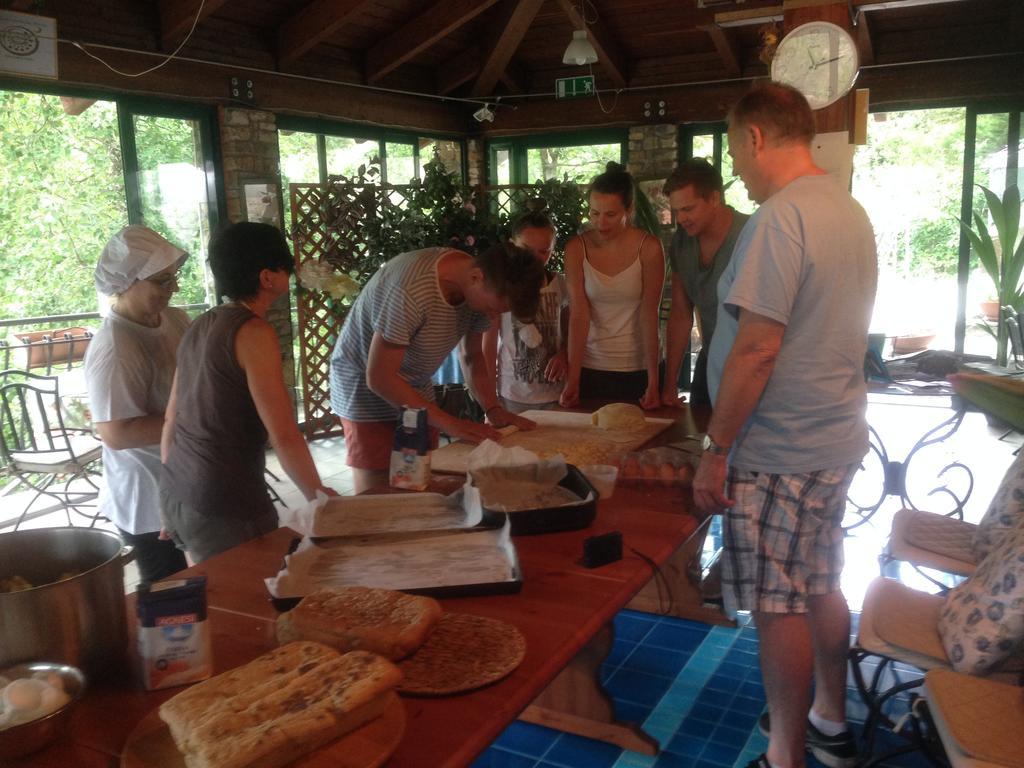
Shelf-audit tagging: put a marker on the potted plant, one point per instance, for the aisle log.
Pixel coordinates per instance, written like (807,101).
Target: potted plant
(1001,255)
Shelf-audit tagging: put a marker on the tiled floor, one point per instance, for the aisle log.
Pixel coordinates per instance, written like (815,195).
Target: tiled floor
(696,688)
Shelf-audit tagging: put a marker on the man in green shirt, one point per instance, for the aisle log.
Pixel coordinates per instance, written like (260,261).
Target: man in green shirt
(705,236)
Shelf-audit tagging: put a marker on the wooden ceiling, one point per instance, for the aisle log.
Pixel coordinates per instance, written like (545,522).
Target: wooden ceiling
(510,51)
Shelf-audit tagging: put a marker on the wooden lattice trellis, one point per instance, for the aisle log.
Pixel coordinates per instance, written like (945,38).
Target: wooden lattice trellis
(326,227)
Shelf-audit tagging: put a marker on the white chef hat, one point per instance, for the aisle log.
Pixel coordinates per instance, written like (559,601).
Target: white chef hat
(134,253)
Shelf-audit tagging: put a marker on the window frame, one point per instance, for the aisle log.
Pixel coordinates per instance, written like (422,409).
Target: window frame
(519,146)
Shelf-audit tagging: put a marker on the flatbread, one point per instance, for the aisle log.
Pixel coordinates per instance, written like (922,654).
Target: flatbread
(278,707)
(463,653)
(384,621)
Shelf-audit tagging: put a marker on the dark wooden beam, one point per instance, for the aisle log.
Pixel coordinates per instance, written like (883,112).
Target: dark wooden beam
(609,56)
(510,27)
(23,6)
(896,87)
(205,83)
(515,77)
(728,48)
(458,70)
(865,45)
(177,17)
(432,25)
(313,24)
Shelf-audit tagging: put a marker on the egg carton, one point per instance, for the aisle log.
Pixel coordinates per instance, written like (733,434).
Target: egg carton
(664,466)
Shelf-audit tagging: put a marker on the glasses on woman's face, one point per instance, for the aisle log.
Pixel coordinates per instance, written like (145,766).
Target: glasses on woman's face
(165,281)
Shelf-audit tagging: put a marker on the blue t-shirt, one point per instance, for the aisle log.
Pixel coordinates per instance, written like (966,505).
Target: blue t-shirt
(806,259)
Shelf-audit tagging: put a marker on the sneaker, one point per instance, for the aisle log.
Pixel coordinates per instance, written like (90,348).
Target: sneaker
(760,762)
(839,751)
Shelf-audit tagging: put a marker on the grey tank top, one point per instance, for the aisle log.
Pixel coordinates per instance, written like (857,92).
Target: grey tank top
(217,454)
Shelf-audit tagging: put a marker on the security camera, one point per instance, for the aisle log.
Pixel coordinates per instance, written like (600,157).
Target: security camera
(485,114)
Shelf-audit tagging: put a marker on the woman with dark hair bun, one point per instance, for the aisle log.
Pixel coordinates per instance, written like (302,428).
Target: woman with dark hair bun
(529,357)
(228,398)
(615,274)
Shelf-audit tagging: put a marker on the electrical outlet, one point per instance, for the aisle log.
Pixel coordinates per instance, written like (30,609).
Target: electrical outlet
(242,88)
(654,110)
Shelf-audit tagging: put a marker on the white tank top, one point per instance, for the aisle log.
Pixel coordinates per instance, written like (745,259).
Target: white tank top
(614,342)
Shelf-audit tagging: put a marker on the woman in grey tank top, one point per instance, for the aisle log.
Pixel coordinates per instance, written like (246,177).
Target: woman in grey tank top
(228,399)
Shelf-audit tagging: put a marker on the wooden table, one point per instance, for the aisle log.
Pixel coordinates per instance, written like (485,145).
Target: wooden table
(564,611)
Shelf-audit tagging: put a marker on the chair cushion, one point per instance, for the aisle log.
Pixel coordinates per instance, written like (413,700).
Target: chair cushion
(977,719)
(900,623)
(982,621)
(1005,513)
(932,541)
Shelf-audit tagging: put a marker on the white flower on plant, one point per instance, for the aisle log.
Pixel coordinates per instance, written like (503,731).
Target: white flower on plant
(321,276)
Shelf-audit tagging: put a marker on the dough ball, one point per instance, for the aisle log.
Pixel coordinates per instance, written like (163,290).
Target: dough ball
(621,417)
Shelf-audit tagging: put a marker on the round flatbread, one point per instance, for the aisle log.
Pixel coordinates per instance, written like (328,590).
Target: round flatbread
(464,652)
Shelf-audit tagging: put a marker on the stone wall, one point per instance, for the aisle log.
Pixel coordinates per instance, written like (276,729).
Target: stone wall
(653,150)
(249,150)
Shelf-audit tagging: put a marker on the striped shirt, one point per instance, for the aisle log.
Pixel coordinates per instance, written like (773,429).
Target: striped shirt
(404,304)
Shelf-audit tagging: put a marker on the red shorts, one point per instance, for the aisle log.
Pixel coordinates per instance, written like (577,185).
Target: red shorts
(368,443)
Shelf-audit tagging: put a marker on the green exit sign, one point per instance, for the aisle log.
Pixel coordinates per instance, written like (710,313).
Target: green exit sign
(574,87)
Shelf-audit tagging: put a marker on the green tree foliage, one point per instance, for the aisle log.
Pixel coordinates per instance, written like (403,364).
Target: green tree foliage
(61,196)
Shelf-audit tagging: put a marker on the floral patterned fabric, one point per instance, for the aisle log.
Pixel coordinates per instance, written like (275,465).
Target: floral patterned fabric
(1005,513)
(982,621)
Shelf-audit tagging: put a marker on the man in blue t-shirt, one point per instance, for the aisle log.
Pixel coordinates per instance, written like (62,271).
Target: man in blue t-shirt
(788,431)
(706,232)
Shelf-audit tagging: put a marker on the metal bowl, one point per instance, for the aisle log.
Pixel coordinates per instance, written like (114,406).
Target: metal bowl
(29,737)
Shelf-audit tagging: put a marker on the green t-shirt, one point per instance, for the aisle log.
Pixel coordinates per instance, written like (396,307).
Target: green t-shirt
(701,283)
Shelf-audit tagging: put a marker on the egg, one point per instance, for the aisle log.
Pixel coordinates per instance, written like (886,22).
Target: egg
(649,472)
(24,695)
(53,698)
(50,678)
(667,473)
(686,474)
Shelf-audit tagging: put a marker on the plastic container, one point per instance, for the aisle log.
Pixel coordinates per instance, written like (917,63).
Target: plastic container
(602,477)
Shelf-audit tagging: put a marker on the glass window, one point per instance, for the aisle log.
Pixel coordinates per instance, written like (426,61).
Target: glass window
(401,165)
(61,198)
(448,152)
(503,166)
(909,177)
(300,164)
(735,190)
(172,192)
(580,164)
(344,155)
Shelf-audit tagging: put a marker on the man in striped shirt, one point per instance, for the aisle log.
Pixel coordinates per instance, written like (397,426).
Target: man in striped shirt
(406,321)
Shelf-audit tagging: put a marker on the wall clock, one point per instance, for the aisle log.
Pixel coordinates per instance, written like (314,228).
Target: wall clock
(820,60)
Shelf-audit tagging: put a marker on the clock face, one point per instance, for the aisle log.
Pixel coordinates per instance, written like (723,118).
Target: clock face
(819,59)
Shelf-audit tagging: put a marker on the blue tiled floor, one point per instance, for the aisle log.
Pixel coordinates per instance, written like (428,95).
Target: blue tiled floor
(695,688)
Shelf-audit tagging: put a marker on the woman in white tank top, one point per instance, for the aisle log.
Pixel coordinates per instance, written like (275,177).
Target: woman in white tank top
(615,274)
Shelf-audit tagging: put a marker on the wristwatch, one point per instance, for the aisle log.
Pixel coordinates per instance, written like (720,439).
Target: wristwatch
(710,446)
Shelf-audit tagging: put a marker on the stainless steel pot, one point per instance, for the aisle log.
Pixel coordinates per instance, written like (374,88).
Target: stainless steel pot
(79,620)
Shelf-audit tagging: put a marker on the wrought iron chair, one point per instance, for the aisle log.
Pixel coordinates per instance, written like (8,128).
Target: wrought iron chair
(897,643)
(40,452)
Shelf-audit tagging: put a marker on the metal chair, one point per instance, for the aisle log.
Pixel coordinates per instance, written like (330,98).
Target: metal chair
(40,452)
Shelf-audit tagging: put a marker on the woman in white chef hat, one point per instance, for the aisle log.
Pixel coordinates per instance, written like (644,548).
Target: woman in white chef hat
(129,368)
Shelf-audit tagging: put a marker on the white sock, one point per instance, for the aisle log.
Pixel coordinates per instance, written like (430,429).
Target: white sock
(827,727)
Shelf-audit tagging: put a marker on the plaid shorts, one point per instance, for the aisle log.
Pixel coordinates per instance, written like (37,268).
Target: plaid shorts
(783,539)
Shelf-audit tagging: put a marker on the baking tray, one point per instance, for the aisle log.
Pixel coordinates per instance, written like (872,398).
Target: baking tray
(387,513)
(570,517)
(459,563)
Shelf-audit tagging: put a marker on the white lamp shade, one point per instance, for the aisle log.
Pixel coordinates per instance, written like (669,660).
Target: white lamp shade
(580,51)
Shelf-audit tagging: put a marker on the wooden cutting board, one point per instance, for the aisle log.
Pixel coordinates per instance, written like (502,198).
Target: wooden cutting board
(150,745)
(570,434)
